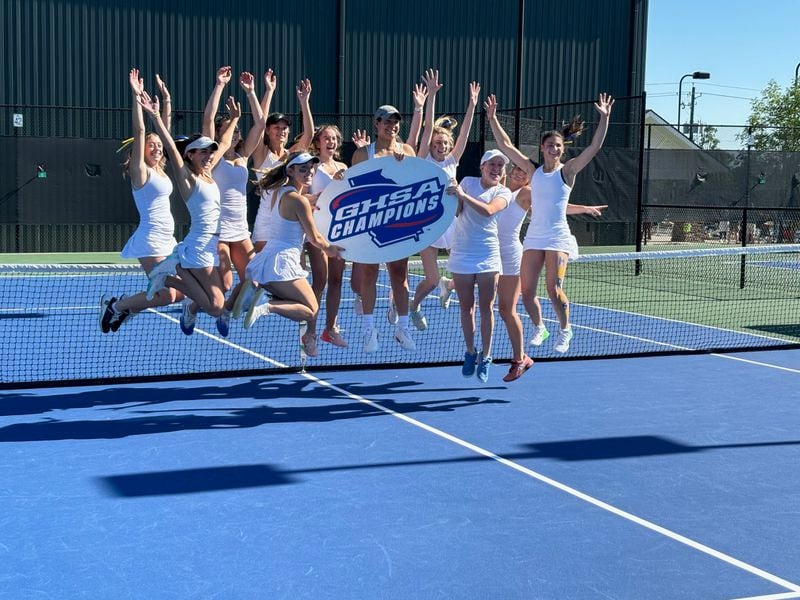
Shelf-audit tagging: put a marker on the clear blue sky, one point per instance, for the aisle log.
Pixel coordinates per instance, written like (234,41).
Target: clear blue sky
(743,44)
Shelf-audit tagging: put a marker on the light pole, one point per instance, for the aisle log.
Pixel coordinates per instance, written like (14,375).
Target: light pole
(796,73)
(695,75)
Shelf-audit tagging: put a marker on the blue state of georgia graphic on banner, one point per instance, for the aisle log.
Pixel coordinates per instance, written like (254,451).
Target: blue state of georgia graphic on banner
(386,209)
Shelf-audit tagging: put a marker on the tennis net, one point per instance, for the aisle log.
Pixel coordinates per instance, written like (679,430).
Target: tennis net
(633,304)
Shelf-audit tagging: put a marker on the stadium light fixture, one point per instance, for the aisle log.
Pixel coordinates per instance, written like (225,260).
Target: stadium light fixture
(695,75)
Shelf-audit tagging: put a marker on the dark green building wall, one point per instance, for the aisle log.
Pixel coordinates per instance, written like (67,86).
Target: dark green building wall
(358,53)
(65,66)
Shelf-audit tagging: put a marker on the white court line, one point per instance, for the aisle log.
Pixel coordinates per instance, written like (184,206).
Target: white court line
(569,490)
(786,596)
(795,588)
(225,342)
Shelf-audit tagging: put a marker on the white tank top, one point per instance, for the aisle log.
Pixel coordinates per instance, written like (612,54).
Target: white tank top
(285,233)
(232,182)
(509,223)
(549,199)
(270,161)
(203,206)
(449,165)
(371,149)
(321,180)
(152,202)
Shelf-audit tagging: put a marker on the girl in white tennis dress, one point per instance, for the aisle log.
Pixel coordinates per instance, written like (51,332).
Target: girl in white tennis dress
(509,224)
(154,238)
(272,151)
(197,260)
(231,176)
(326,144)
(548,243)
(475,256)
(437,146)
(386,121)
(276,268)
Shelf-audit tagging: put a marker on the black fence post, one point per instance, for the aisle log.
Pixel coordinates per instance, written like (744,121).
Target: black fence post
(640,182)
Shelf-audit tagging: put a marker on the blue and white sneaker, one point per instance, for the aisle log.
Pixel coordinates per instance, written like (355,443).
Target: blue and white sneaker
(223,323)
(188,318)
(158,275)
(484,362)
(468,368)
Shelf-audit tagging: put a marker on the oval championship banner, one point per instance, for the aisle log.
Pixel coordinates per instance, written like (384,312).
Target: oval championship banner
(386,209)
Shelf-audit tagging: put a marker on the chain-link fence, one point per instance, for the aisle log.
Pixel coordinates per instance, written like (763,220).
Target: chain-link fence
(63,191)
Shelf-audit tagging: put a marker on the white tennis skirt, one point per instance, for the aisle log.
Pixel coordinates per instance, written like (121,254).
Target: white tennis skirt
(198,251)
(276,263)
(148,243)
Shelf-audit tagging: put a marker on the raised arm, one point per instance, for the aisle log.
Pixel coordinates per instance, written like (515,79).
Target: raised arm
(574,166)
(247,83)
(223,77)
(361,138)
(469,114)
(418,94)
(137,169)
(183,179)
(234,112)
(431,81)
(502,139)
(303,96)
(166,102)
(259,153)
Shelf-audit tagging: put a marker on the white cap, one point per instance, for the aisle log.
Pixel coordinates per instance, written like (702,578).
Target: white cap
(490,154)
(201,143)
(302,159)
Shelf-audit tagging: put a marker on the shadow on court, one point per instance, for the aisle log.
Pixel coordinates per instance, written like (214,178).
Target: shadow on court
(168,420)
(188,481)
(269,388)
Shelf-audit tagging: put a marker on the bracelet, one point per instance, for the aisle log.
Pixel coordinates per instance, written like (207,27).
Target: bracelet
(418,109)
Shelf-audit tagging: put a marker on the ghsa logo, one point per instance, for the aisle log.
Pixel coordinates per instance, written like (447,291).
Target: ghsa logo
(390,213)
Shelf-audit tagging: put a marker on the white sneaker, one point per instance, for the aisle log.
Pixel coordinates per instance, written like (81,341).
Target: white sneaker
(158,275)
(256,310)
(540,334)
(563,340)
(245,298)
(445,293)
(371,340)
(403,337)
(391,314)
(358,306)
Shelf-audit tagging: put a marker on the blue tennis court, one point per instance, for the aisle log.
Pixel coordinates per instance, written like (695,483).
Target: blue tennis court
(668,477)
